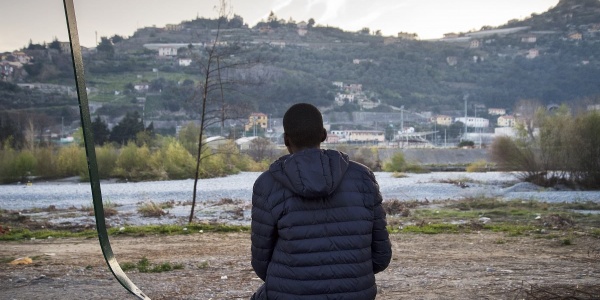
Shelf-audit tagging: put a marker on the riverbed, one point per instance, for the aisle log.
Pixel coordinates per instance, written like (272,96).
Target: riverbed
(237,190)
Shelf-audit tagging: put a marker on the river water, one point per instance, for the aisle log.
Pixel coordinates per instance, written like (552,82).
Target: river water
(432,186)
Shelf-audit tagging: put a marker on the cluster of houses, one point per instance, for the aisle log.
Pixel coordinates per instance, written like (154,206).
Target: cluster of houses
(11,65)
(353,93)
(503,120)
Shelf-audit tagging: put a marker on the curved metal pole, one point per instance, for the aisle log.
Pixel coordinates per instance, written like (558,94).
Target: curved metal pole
(88,138)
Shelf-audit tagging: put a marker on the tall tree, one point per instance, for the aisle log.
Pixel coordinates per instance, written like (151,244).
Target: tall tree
(217,64)
(100,131)
(127,129)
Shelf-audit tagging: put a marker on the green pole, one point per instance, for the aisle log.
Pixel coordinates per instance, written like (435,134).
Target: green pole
(88,138)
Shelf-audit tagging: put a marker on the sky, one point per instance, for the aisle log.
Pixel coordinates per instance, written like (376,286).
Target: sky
(44,20)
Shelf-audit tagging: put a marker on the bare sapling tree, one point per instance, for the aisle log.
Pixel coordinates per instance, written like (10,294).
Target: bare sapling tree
(218,65)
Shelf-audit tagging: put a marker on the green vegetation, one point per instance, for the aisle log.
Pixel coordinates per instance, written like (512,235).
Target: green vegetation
(144,266)
(478,166)
(151,209)
(17,233)
(566,150)
(159,158)
(399,164)
(513,217)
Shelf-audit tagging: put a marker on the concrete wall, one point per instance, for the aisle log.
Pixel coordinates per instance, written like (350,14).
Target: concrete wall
(437,156)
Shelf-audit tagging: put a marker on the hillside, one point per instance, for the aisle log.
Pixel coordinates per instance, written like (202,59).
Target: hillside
(553,57)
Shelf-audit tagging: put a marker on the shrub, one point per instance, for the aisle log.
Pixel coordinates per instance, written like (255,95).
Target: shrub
(106,156)
(396,164)
(137,163)
(478,166)
(177,162)
(151,209)
(71,161)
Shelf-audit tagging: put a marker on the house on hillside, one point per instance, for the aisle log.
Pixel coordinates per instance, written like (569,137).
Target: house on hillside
(65,47)
(173,27)
(506,121)
(474,122)
(22,57)
(167,51)
(575,36)
(475,44)
(443,120)
(532,53)
(141,87)
(185,62)
(257,119)
(496,111)
(529,39)
(452,60)
(302,28)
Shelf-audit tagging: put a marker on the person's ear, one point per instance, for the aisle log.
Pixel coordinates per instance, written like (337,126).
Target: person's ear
(324,135)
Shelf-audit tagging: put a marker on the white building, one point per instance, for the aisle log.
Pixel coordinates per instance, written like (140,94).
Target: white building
(358,136)
(474,122)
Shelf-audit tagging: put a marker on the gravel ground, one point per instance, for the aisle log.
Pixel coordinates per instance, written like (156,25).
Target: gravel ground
(217,266)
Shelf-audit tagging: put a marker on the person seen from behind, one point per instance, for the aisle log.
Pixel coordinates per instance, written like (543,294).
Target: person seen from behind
(318,226)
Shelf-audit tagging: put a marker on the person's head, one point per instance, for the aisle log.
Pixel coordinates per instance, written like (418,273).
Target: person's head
(303,127)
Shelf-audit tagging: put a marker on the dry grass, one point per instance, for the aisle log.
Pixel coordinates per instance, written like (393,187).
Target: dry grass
(151,209)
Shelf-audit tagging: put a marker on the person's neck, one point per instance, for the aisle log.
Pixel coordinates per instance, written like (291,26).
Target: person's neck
(293,149)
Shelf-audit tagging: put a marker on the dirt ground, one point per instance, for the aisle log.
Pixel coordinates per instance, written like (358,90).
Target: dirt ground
(217,266)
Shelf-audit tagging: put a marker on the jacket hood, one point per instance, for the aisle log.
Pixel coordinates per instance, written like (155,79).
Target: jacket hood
(311,173)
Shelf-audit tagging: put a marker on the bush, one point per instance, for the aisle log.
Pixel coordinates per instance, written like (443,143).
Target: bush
(71,161)
(137,164)
(396,164)
(46,162)
(478,166)
(106,156)
(151,209)
(177,162)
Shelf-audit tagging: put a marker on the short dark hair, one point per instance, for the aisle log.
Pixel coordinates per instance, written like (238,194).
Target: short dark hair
(303,125)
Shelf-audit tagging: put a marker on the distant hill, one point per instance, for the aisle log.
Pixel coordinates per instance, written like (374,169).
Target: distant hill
(553,57)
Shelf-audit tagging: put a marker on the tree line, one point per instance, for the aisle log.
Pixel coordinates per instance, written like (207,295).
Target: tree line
(554,148)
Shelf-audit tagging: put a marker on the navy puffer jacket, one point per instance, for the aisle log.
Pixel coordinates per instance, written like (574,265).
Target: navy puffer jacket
(318,228)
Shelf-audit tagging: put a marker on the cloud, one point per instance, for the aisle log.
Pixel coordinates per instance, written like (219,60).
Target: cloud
(332,8)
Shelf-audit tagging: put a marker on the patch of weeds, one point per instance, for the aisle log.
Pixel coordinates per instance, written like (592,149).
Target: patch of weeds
(151,209)
(580,205)
(144,266)
(88,267)
(556,221)
(397,207)
(431,228)
(128,266)
(399,175)
(566,242)
(23,233)
(478,166)
(203,265)
(500,242)
(168,204)
(595,232)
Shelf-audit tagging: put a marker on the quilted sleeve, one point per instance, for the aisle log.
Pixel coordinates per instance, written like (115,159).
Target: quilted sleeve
(263,226)
(381,247)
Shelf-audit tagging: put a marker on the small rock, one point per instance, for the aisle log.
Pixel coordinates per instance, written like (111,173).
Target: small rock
(484,220)
(224,277)
(21,261)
